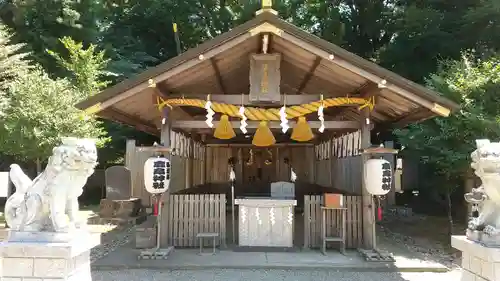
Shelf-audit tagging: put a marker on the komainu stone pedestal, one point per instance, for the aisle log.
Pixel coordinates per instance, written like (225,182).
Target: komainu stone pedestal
(480,263)
(48,261)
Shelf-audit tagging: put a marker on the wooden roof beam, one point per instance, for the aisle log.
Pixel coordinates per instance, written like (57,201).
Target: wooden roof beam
(135,122)
(271,124)
(367,90)
(179,113)
(413,116)
(218,76)
(375,78)
(179,64)
(309,74)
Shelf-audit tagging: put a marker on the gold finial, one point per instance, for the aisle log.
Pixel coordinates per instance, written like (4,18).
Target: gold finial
(151,83)
(267,4)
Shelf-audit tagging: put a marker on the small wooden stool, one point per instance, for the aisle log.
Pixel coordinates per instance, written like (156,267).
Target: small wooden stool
(202,235)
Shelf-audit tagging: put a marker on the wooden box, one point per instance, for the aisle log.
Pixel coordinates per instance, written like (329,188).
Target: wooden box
(333,200)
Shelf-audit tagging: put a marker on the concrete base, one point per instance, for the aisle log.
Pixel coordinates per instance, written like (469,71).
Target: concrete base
(483,239)
(44,237)
(480,263)
(37,261)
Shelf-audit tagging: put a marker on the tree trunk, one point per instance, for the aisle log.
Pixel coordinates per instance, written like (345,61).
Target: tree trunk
(38,166)
(450,214)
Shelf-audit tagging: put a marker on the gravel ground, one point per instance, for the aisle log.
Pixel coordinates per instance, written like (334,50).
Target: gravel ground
(111,241)
(267,275)
(430,249)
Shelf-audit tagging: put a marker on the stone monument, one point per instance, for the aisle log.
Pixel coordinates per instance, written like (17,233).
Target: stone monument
(119,207)
(481,245)
(118,183)
(47,240)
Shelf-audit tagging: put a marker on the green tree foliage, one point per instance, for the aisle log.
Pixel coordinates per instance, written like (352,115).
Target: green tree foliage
(86,67)
(40,24)
(12,66)
(40,111)
(446,143)
(427,32)
(37,110)
(12,60)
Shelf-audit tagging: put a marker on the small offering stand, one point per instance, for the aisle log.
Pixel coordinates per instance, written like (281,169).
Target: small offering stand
(333,203)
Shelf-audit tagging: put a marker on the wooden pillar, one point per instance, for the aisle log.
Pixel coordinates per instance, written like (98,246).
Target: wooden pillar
(130,158)
(204,157)
(165,128)
(368,204)
(189,163)
(239,166)
(129,153)
(311,162)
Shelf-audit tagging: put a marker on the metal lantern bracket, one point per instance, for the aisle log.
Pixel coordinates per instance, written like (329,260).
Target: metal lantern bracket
(157,252)
(376,254)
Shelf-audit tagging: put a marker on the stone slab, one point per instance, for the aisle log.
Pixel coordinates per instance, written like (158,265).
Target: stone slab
(483,239)
(118,183)
(463,244)
(48,237)
(69,261)
(187,259)
(480,263)
(49,249)
(128,208)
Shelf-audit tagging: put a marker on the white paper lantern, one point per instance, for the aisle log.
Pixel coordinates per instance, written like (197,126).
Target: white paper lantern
(378,176)
(157,172)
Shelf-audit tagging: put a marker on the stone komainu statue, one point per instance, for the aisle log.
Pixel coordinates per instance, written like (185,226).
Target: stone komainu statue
(485,228)
(43,203)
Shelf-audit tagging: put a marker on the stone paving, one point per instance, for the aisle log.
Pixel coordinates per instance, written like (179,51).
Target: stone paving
(268,275)
(126,258)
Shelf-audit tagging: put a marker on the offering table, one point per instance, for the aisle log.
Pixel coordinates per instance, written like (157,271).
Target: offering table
(265,222)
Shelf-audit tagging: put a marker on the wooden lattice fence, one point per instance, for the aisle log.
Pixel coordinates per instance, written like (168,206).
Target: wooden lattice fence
(186,215)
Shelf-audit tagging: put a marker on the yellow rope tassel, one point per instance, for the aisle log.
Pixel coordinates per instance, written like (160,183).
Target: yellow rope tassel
(302,131)
(224,130)
(263,136)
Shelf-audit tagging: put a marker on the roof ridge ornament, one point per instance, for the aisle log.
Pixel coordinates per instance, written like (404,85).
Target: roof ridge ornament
(267,6)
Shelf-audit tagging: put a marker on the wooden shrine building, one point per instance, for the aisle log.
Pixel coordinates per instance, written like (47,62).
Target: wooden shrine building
(261,71)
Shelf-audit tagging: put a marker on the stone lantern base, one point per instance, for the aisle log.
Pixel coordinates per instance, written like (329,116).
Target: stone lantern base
(480,263)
